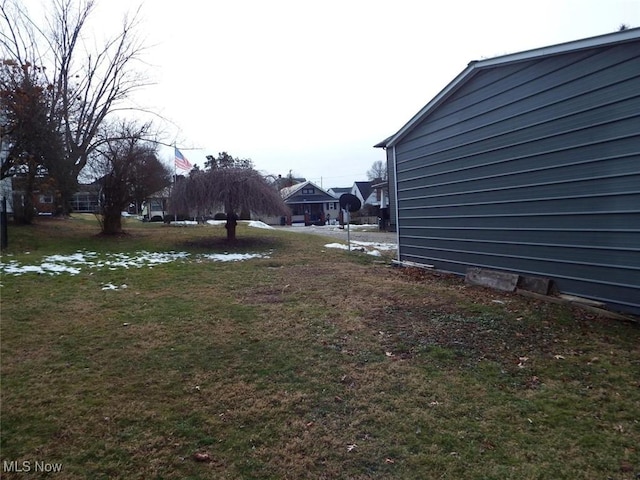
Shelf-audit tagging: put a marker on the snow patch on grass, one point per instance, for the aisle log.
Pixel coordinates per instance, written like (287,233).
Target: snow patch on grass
(370,248)
(74,263)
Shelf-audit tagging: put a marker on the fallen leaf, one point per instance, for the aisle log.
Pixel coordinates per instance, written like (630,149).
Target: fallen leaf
(626,467)
(389,460)
(201,457)
(351,447)
(558,357)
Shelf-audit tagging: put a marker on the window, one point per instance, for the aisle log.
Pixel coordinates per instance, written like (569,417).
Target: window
(308,191)
(46,198)
(84,202)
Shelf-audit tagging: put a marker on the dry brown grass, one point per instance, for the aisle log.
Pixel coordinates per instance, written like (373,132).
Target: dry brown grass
(312,363)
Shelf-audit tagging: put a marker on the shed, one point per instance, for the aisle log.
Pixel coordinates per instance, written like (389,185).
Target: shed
(529,163)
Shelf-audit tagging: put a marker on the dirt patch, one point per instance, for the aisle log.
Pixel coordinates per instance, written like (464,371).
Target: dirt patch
(473,322)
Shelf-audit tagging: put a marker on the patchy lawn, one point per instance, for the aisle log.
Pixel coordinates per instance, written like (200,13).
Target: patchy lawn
(298,361)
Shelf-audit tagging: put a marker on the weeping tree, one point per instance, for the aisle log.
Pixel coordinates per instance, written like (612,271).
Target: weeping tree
(234,189)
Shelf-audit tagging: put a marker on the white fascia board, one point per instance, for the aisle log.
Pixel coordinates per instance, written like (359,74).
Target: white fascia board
(572,46)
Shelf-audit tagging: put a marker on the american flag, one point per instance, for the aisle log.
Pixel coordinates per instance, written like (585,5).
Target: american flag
(181,162)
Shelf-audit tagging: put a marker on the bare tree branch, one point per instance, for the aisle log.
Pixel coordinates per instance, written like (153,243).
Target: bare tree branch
(126,167)
(87,81)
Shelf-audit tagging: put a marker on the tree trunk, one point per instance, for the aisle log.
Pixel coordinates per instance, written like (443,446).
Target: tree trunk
(23,209)
(112,224)
(231,227)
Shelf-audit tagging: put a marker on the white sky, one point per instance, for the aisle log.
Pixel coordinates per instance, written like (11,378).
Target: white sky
(311,86)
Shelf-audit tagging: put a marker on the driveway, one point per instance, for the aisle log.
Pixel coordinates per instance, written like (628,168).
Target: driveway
(360,233)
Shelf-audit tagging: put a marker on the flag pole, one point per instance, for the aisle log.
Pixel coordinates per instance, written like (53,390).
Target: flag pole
(175,178)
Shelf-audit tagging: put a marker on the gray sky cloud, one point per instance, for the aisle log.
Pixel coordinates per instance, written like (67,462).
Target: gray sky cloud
(311,86)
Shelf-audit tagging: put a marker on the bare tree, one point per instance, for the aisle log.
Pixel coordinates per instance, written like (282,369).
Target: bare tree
(148,176)
(233,189)
(84,86)
(117,164)
(378,171)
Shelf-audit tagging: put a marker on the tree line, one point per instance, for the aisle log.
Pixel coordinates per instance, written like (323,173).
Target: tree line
(60,123)
(59,105)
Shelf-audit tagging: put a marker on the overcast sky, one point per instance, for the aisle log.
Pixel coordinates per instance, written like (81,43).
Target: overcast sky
(311,86)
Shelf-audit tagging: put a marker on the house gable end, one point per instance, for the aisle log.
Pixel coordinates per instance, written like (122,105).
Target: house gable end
(307,192)
(458,84)
(523,103)
(531,167)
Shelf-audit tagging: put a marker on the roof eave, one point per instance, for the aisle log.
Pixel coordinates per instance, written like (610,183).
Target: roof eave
(575,45)
(439,98)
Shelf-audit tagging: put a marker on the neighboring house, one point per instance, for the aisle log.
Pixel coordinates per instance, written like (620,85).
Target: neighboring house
(365,193)
(155,207)
(381,189)
(43,197)
(6,193)
(43,194)
(374,197)
(337,191)
(310,204)
(86,199)
(529,163)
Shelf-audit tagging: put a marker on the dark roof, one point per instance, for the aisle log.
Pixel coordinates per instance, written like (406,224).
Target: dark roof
(365,189)
(294,194)
(474,67)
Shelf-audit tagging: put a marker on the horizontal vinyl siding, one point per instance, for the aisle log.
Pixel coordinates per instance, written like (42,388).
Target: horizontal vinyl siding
(391,175)
(533,168)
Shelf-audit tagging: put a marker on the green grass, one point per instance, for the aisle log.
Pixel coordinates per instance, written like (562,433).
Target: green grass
(313,363)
